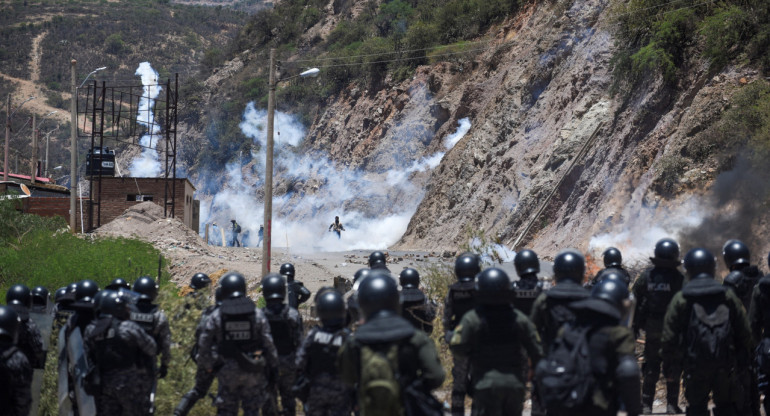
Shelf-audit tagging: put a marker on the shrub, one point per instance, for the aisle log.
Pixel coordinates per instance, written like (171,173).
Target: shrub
(724,32)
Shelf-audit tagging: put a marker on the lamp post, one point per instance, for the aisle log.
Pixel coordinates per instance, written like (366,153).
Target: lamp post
(47,136)
(267,241)
(8,116)
(91,73)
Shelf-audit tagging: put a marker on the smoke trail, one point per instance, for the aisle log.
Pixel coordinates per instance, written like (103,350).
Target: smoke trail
(148,163)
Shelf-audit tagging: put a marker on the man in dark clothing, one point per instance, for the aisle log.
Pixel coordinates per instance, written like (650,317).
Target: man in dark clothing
(260,234)
(235,229)
(30,341)
(653,291)
(492,336)
(705,328)
(459,300)
(415,306)
(528,287)
(378,260)
(743,275)
(15,370)
(759,321)
(384,341)
(613,259)
(296,291)
(353,315)
(337,227)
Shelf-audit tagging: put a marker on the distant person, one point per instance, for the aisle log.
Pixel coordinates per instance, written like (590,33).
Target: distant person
(337,227)
(235,229)
(260,234)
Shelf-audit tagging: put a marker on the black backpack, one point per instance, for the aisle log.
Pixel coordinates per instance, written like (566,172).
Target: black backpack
(709,334)
(565,378)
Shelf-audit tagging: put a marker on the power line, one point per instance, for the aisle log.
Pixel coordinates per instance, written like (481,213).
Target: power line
(393,52)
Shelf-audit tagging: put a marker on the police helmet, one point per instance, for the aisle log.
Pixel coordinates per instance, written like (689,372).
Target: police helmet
(613,274)
(667,249)
(114,304)
(40,296)
(287,270)
(612,257)
(699,261)
(377,259)
(378,292)
(493,287)
(526,262)
(569,265)
(467,266)
(199,281)
(409,278)
(232,282)
(274,286)
(117,284)
(60,294)
(72,289)
(613,291)
(361,273)
(735,253)
(19,295)
(330,307)
(218,295)
(86,290)
(9,324)
(146,287)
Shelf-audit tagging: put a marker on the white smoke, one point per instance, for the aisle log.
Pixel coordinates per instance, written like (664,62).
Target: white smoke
(147,165)
(320,191)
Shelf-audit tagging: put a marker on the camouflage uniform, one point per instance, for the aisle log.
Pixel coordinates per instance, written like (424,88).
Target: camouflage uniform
(15,381)
(118,349)
(459,300)
(203,378)
(417,309)
(30,340)
(234,331)
(153,320)
(328,395)
(286,329)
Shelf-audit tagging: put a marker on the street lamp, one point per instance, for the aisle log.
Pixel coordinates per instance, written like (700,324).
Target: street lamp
(8,116)
(91,73)
(313,72)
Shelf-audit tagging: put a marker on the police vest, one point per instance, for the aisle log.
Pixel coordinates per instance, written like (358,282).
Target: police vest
(144,316)
(283,329)
(113,352)
(239,327)
(499,345)
(764,305)
(662,285)
(462,295)
(323,349)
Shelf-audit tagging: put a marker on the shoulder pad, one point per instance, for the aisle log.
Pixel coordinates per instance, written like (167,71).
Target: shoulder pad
(734,278)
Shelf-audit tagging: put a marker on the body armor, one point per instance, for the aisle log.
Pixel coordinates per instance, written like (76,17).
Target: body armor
(282,329)
(463,300)
(323,351)
(112,352)
(238,327)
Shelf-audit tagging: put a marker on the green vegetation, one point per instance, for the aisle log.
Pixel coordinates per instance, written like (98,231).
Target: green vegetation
(658,37)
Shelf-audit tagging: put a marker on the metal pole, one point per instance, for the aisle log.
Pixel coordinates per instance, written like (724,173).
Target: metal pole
(34,149)
(73,149)
(47,137)
(7,136)
(269,168)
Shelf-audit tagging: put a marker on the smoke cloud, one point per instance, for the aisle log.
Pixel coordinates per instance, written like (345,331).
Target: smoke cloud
(147,165)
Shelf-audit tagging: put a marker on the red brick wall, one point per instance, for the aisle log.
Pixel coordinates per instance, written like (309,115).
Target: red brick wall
(115,192)
(51,206)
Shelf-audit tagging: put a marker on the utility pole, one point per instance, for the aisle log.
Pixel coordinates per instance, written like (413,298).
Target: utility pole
(47,139)
(269,168)
(7,136)
(34,148)
(73,148)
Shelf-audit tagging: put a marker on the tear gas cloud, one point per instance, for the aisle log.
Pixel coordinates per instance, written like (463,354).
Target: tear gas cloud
(147,165)
(370,205)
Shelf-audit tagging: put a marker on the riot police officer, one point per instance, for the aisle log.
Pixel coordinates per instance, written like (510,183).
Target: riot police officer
(286,329)
(612,259)
(353,314)
(528,287)
(30,341)
(319,385)
(705,328)
(297,292)
(415,306)
(200,281)
(460,300)
(653,291)
(238,334)
(153,320)
(117,284)
(15,370)
(117,347)
(40,299)
(759,321)
(377,260)
(743,275)
(492,337)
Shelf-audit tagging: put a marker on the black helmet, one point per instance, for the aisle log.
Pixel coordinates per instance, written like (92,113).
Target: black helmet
(114,304)
(274,286)
(330,307)
(9,324)
(377,259)
(232,282)
(117,284)
(361,273)
(699,261)
(287,269)
(59,294)
(19,295)
(467,266)
(40,296)
(735,253)
(613,291)
(146,286)
(526,262)
(218,295)
(409,277)
(612,257)
(493,287)
(86,290)
(569,265)
(613,274)
(667,249)
(378,292)
(199,281)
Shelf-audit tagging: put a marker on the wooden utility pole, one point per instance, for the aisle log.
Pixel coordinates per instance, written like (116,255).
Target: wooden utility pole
(73,148)
(34,149)
(269,168)
(7,136)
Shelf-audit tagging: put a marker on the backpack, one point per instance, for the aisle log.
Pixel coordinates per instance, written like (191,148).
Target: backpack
(237,228)
(380,391)
(709,335)
(565,378)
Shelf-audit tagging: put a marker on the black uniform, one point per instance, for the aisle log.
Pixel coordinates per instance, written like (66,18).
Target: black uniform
(286,329)
(759,320)
(417,309)
(551,309)
(297,293)
(459,300)
(526,290)
(15,381)
(327,394)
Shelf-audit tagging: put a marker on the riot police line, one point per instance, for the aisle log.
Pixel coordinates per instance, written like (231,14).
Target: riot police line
(570,347)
